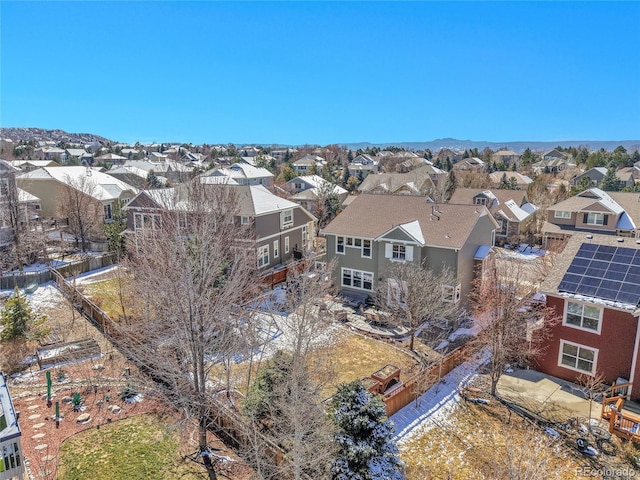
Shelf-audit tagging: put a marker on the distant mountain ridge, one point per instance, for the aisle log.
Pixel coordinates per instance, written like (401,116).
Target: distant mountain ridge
(41,134)
(517,146)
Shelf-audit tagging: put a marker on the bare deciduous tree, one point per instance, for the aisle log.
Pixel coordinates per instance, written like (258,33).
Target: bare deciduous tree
(415,296)
(188,279)
(512,327)
(84,213)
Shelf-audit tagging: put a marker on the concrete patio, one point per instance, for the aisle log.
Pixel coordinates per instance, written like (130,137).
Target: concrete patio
(549,397)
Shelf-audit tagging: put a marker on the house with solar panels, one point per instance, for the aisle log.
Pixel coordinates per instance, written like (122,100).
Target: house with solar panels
(594,288)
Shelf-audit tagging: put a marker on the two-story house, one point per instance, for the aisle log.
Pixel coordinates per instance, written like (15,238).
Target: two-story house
(308,163)
(594,290)
(510,208)
(613,213)
(244,174)
(375,230)
(421,181)
(306,190)
(281,230)
(50,183)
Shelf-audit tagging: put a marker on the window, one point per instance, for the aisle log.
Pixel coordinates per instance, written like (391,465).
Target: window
(561,214)
(504,227)
(297,186)
(582,316)
(595,219)
(286,244)
(4,187)
(366,248)
(357,242)
(399,252)
(349,242)
(287,218)
(107,212)
(577,357)
(451,294)
(339,244)
(276,253)
(244,220)
(304,235)
(480,201)
(357,279)
(146,221)
(263,256)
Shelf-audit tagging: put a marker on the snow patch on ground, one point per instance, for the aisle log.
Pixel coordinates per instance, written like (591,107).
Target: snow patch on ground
(436,404)
(90,277)
(522,252)
(45,296)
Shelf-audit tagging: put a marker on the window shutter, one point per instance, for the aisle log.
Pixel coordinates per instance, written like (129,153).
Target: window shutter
(585,219)
(408,253)
(605,220)
(388,250)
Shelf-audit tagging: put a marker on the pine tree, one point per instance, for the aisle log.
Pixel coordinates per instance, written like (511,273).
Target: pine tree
(610,181)
(19,321)
(365,447)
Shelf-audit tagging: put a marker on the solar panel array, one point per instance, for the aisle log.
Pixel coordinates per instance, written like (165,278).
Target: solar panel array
(606,272)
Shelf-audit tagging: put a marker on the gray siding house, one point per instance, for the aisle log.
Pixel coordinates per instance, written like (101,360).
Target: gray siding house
(280,229)
(375,230)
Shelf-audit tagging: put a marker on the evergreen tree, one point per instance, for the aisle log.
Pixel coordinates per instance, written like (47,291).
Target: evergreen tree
(19,321)
(152,180)
(365,447)
(610,182)
(345,176)
(448,166)
(449,186)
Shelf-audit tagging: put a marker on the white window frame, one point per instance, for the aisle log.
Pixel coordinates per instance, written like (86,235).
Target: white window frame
(286,244)
(287,218)
(504,227)
(582,306)
(399,252)
(357,279)
(245,220)
(276,252)
(450,293)
(263,256)
(108,212)
(305,239)
(146,221)
(365,241)
(561,354)
(594,218)
(481,201)
(340,244)
(561,214)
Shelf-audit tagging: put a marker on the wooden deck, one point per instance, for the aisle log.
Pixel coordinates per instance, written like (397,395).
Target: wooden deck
(623,422)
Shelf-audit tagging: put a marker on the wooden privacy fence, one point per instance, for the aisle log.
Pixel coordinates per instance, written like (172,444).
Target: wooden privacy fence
(225,422)
(403,394)
(21,280)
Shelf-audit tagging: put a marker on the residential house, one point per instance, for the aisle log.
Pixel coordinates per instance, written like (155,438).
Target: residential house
(363,165)
(521,181)
(175,172)
(445,153)
(553,162)
(612,213)
(306,190)
(111,158)
(281,154)
(472,164)
(51,153)
(28,165)
(244,174)
(420,181)
(510,208)
(308,163)
(79,154)
(134,176)
(49,184)
(594,290)
(281,229)
(375,230)
(505,157)
(29,205)
(634,171)
(249,151)
(11,454)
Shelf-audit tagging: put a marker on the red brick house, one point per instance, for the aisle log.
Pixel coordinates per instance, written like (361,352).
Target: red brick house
(594,288)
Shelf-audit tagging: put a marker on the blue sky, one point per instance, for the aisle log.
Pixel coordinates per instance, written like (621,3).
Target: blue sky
(320,73)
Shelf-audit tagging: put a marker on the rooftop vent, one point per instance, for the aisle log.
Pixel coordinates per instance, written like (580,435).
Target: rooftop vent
(589,237)
(620,240)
